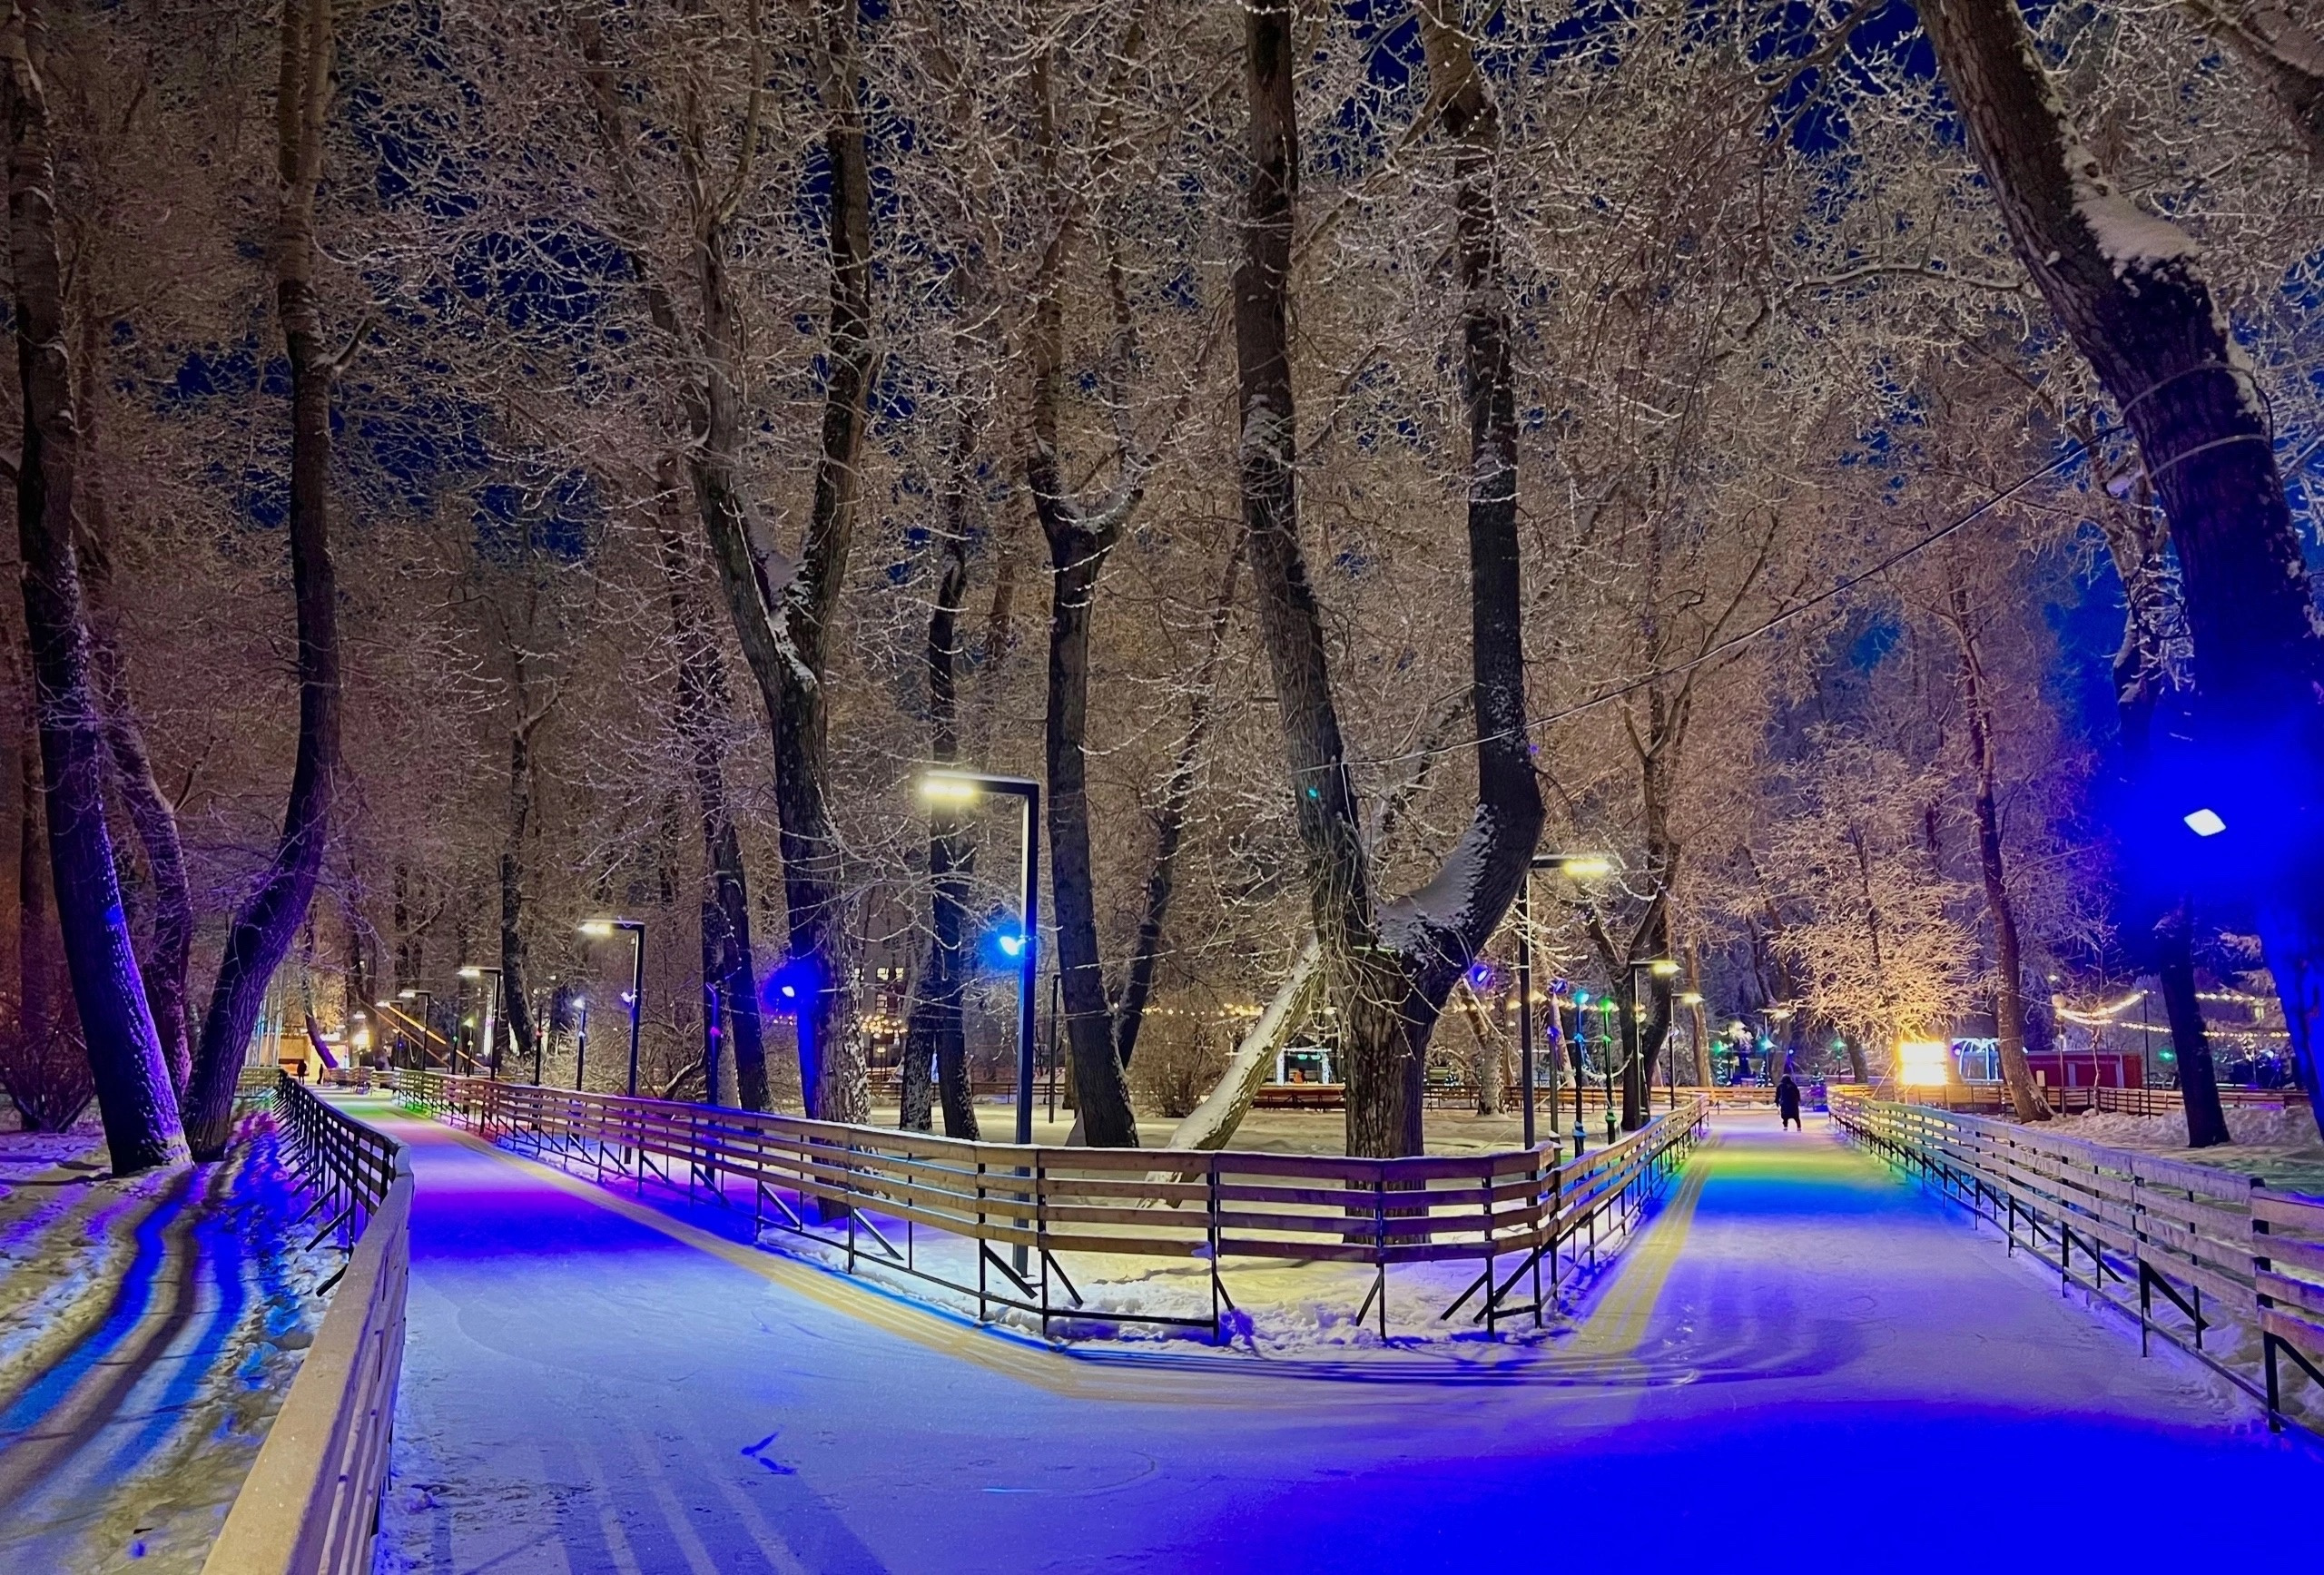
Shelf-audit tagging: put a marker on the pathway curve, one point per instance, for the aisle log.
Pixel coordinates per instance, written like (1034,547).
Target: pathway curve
(1803,1363)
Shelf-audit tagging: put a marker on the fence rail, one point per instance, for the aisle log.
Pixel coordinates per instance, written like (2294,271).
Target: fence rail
(309,1505)
(871,1191)
(2151,1237)
(2081,1099)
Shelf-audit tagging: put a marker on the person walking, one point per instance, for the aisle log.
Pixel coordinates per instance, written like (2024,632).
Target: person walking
(1788,1102)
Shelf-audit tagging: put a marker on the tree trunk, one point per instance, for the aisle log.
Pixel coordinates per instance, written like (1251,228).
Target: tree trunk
(783,612)
(268,918)
(1170,821)
(169,944)
(125,1057)
(2125,285)
(1076,553)
(2174,970)
(1382,1079)
(936,1038)
(2143,681)
(2009,989)
(729,969)
(1388,999)
(514,975)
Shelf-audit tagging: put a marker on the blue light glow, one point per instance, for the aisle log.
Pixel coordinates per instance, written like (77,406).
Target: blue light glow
(789,988)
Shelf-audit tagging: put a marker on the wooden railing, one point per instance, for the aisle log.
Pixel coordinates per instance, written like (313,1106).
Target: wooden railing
(309,1505)
(2166,1101)
(2130,1229)
(870,1191)
(2080,1100)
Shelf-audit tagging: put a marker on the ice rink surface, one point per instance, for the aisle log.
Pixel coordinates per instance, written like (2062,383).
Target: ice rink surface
(1803,1363)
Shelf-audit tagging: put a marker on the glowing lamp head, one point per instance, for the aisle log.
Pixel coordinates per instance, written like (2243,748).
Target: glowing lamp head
(599,929)
(1590,867)
(2205,822)
(1691,998)
(1924,1063)
(1662,967)
(1011,944)
(471,972)
(405,995)
(949,790)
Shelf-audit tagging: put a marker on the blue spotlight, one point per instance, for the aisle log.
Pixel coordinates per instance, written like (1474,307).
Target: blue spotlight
(1006,947)
(791,987)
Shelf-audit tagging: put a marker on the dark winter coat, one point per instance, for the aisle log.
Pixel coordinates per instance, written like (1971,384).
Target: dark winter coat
(1787,1099)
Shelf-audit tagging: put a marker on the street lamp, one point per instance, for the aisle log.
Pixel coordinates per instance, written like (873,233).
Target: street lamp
(1658,968)
(491,1001)
(958,787)
(580,1038)
(604,930)
(1694,1032)
(1574,866)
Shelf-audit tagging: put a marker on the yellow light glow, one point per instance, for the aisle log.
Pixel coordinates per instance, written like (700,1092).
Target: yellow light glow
(471,973)
(950,789)
(1662,966)
(599,929)
(1590,868)
(1691,998)
(1924,1063)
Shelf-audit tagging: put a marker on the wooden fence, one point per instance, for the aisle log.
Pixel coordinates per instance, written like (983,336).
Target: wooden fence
(2078,1100)
(2180,1247)
(311,1503)
(870,1191)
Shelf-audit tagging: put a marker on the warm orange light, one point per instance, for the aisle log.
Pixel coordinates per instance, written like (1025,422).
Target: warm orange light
(1924,1063)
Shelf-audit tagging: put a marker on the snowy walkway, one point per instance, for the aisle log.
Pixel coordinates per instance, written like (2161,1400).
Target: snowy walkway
(1803,1363)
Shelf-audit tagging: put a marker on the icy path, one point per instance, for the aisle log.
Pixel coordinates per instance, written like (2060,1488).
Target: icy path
(1803,1365)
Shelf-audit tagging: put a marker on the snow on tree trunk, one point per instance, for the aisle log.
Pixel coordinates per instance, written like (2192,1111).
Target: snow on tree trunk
(134,1097)
(1212,1124)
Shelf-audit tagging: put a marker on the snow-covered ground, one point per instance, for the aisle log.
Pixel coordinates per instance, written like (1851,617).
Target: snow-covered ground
(2281,1147)
(1803,1363)
(149,1326)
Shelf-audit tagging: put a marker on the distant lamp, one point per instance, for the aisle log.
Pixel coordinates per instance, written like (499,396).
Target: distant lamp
(1662,967)
(1691,998)
(1924,1063)
(599,929)
(1587,867)
(2205,823)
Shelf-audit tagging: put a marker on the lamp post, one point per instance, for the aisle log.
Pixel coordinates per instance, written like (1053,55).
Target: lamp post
(491,1001)
(1702,1053)
(1656,967)
(604,930)
(965,786)
(1574,866)
(580,1039)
